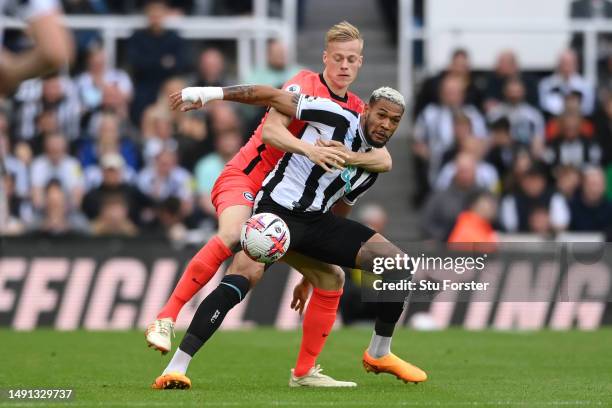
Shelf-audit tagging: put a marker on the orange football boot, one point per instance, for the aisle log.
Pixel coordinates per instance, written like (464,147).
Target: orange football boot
(172,381)
(394,365)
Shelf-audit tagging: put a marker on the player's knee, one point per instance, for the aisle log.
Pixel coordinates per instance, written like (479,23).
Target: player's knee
(229,236)
(253,273)
(338,278)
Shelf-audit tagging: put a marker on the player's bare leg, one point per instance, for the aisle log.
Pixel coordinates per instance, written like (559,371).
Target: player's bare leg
(201,268)
(378,358)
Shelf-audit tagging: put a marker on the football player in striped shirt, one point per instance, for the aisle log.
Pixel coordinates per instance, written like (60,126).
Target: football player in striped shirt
(235,189)
(302,194)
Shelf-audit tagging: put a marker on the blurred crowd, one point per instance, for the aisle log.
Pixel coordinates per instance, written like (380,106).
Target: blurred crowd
(97,151)
(512,152)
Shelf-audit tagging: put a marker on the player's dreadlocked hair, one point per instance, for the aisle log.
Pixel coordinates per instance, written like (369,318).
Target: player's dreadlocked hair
(390,94)
(342,32)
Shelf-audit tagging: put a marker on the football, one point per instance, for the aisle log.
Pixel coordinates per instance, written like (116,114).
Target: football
(265,238)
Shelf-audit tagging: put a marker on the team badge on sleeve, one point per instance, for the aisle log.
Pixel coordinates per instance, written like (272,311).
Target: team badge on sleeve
(293,88)
(248,196)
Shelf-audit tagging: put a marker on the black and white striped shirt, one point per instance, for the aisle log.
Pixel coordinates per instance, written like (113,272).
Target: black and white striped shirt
(298,184)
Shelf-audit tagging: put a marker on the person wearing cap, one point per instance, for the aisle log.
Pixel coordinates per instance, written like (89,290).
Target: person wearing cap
(94,173)
(112,179)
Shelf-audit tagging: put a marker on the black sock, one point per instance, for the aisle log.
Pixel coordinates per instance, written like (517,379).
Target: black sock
(212,311)
(387,315)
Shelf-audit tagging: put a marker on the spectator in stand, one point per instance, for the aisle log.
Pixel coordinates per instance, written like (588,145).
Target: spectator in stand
(591,210)
(224,118)
(486,176)
(571,147)
(14,211)
(533,195)
(108,139)
(155,54)
(503,151)
(506,68)
(443,207)
(211,68)
(572,103)
(100,83)
(168,222)
(603,129)
(462,132)
(540,223)
(56,164)
(165,178)
(159,123)
(56,94)
(12,165)
(526,122)
(193,139)
(113,218)
(459,67)
(522,163)
(157,132)
(57,216)
(278,70)
(562,82)
(475,224)
(114,182)
(567,181)
(207,170)
(605,79)
(433,132)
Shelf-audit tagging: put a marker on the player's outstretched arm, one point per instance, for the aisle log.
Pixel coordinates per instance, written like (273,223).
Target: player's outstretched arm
(262,95)
(375,161)
(53,50)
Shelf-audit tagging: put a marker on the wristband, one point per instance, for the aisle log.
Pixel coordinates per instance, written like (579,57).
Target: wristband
(203,94)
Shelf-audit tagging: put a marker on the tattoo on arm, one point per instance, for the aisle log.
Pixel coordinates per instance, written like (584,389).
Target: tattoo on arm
(263,95)
(240,93)
(295,99)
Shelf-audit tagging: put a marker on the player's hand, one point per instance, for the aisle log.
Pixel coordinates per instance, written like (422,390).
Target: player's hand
(338,146)
(301,292)
(327,157)
(192,98)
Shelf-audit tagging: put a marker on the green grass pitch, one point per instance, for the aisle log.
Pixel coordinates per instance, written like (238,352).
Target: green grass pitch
(251,368)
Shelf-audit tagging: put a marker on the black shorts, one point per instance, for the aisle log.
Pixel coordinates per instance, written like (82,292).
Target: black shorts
(322,236)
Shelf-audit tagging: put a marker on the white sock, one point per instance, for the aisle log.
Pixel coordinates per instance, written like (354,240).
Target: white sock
(179,363)
(379,346)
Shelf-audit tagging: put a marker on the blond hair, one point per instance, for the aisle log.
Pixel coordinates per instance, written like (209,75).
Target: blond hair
(343,32)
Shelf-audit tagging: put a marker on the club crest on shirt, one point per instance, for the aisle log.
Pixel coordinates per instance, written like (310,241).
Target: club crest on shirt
(293,88)
(248,196)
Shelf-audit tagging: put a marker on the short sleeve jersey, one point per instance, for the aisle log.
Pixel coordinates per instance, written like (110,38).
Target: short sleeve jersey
(255,158)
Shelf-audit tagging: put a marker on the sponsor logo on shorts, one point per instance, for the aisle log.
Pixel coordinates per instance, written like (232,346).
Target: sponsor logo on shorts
(293,88)
(248,196)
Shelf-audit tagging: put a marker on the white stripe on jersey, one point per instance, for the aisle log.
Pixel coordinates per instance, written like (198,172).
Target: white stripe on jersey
(296,183)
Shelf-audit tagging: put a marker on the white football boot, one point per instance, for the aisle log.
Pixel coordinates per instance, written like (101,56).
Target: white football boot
(314,378)
(159,334)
